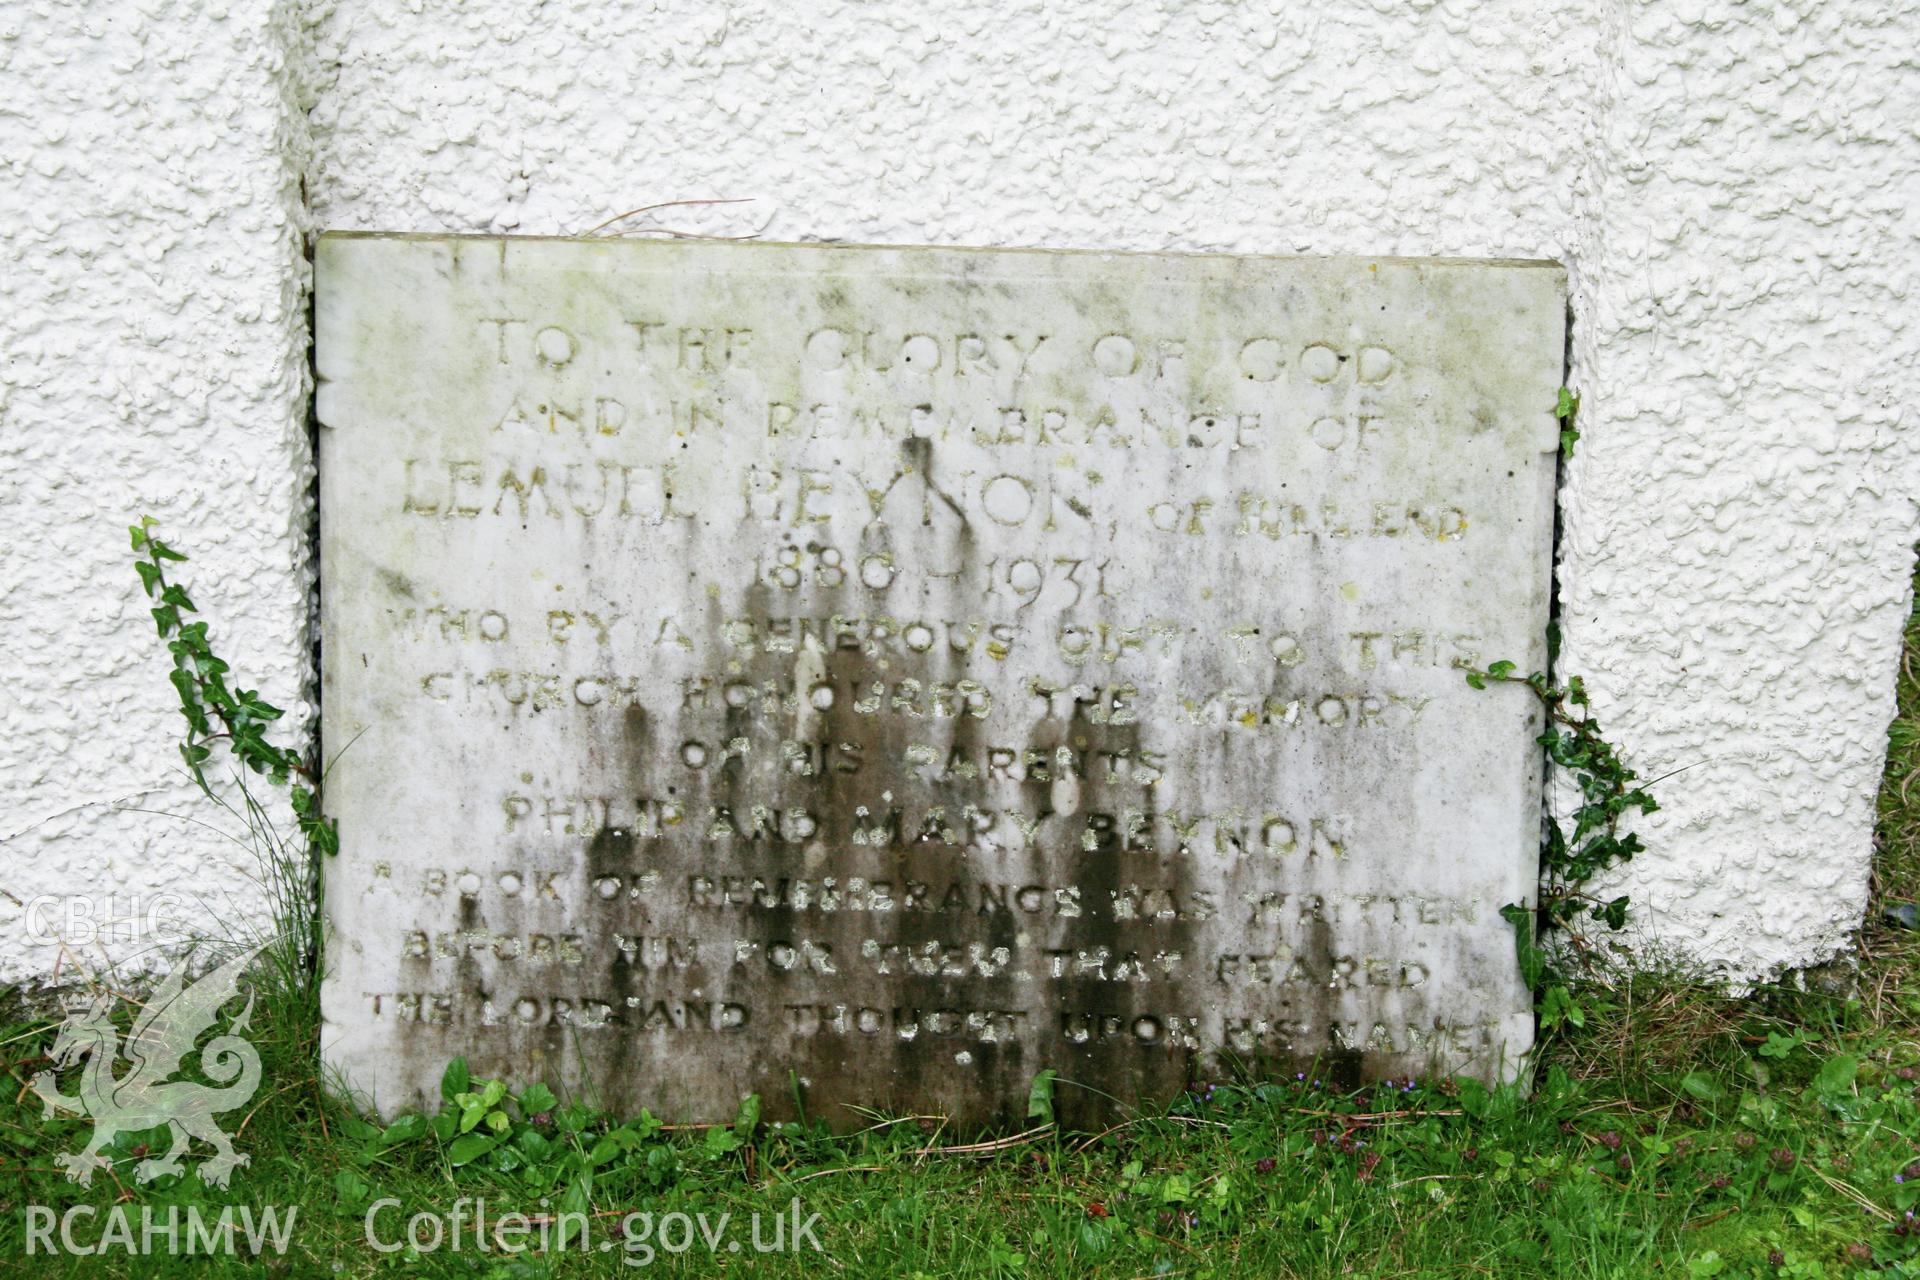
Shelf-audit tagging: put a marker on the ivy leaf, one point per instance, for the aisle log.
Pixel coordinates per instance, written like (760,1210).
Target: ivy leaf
(405,1129)
(1040,1097)
(258,706)
(536,1098)
(454,1080)
(1566,409)
(748,1117)
(1560,1006)
(469,1147)
(1614,913)
(575,1204)
(1835,1078)
(1702,1086)
(573,1117)
(1532,964)
(351,1187)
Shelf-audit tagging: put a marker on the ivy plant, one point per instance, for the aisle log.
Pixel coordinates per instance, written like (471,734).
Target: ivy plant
(217,709)
(1608,790)
(1571,858)
(1567,409)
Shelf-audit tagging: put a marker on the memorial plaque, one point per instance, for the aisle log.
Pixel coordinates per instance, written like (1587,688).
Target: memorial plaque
(875,675)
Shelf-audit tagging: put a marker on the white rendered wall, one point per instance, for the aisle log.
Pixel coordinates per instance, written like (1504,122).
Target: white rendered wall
(152,360)
(1729,184)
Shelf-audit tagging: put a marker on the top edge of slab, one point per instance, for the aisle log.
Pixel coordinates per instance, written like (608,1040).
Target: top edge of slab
(1539,264)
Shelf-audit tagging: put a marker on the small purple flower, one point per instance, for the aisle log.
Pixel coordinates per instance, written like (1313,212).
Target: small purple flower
(1899,1178)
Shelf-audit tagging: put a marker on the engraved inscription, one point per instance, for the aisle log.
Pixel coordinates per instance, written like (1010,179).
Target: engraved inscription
(875,676)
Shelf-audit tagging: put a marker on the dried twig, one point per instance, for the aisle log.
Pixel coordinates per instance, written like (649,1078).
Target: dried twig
(827,1173)
(668,204)
(263,1102)
(1854,1194)
(988,1148)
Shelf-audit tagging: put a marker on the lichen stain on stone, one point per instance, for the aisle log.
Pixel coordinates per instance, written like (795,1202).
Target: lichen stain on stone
(912,721)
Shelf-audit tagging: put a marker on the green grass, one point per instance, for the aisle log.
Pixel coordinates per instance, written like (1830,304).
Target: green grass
(1676,1133)
(1780,1134)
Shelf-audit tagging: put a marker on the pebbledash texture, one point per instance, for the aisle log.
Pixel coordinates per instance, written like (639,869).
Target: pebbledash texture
(1724,182)
(872,676)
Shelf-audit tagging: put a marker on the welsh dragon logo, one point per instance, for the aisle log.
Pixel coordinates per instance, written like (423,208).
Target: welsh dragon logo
(144,1097)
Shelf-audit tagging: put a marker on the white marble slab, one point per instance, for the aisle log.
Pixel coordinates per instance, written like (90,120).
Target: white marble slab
(898,671)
